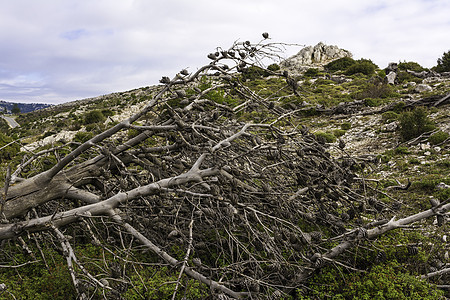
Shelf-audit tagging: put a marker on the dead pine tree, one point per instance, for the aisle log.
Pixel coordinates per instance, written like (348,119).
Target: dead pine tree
(237,195)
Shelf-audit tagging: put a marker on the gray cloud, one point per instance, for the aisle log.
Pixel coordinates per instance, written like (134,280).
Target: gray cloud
(55,51)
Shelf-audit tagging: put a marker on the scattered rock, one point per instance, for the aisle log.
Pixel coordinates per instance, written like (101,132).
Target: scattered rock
(420,88)
(339,79)
(392,67)
(390,78)
(391,127)
(425,146)
(442,186)
(409,84)
(63,136)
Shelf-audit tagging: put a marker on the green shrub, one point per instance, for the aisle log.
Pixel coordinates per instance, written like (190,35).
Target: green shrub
(414,123)
(346,126)
(374,91)
(363,66)
(160,284)
(94,116)
(389,116)
(253,72)
(387,281)
(443,63)
(325,137)
(311,72)
(36,281)
(411,65)
(10,151)
(273,67)
(402,150)
(219,96)
(381,73)
(338,132)
(83,136)
(340,64)
(107,112)
(438,137)
(404,77)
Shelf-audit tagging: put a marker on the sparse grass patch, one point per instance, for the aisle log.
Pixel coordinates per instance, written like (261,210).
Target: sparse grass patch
(346,125)
(389,116)
(325,137)
(338,132)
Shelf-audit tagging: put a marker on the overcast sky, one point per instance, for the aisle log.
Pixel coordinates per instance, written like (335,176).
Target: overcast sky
(54,51)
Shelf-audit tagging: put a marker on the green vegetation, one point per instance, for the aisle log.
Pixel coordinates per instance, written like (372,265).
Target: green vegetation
(151,283)
(346,126)
(395,277)
(363,66)
(94,116)
(350,66)
(340,64)
(410,65)
(325,137)
(83,136)
(443,63)
(8,148)
(273,67)
(438,137)
(384,281)
(311,72)
(376,91)
(15,109)
(414,123)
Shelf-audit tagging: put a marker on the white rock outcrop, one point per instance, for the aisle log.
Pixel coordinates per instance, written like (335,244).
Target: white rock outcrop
(314,57)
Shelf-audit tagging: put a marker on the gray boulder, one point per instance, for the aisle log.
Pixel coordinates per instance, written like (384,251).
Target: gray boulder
(313,57)
(420,88)
(390,78)
(392,67)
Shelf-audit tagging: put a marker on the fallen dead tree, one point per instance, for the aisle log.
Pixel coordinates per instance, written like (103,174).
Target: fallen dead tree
(253,200)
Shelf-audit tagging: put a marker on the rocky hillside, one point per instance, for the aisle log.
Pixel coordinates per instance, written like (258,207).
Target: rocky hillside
(312,166)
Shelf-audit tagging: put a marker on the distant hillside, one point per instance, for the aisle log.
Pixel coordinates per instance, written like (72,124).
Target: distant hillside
(24,107)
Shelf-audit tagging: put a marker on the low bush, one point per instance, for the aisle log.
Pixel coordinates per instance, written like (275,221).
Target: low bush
(10,151)
(438,137)
(94,116)
(340,64)
(325,137)
(386,281)
(363,66)
(404,77)
(443,63)
(414,123)
(389,116)
(273,67)
(346,126)
(374,91)
(253,72)
(411,65)
(82,136)
(311,72)
(338,132)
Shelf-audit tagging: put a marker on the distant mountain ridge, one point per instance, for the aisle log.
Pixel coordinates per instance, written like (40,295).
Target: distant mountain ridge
(24,107)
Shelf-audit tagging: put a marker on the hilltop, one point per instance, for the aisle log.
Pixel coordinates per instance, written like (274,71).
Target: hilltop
(321,176)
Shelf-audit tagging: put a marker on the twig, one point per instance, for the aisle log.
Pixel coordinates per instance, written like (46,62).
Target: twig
(186,257)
